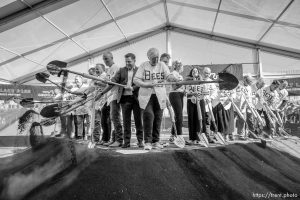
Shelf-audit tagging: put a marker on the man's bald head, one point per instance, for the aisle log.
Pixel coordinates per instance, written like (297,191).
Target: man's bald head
(206,72)
(108,58)
(108,54)
(206,69)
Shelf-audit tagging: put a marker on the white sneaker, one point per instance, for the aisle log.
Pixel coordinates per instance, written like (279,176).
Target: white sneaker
(157,145)
(148,146)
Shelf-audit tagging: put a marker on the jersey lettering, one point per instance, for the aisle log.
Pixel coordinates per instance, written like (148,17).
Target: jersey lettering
(154,76)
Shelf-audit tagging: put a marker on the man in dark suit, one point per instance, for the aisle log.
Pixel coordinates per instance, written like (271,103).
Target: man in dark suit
(128,98)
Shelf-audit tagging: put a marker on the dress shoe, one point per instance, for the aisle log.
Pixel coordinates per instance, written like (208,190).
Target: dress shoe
(78,137)
(126,145)
(116,144)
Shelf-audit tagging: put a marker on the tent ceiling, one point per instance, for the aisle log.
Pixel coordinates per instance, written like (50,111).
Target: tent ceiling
(34,32)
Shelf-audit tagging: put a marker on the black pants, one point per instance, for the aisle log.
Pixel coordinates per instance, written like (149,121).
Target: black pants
(82,123)
(193,121)
(105,122)
(152,117)
(176,100)
(130,104)
(224,119)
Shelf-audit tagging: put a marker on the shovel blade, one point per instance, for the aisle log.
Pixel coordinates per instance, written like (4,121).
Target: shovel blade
(27,103)
(50,111)
(179,141)
(220,138)
(227,81)
(54,67)
(42,77)
(204,139)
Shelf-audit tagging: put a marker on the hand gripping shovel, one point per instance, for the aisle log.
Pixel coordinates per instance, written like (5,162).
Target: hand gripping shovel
(201,135)
(218,135)
(178,139)
(226,81)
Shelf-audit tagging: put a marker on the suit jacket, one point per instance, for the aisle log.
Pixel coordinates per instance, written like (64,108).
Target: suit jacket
(121,77)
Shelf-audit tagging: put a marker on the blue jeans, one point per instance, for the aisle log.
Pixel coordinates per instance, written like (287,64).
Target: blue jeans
(97,126)
(129,104)
(152,117)
(115,115)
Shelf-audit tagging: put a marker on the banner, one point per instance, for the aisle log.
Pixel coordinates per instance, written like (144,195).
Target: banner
(293,82)
(235,69)
(26,91)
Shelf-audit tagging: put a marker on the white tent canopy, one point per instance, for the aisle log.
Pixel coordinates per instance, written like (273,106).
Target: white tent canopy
(35,32)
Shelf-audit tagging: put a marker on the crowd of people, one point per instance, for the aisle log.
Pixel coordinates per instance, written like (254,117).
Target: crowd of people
(254,109)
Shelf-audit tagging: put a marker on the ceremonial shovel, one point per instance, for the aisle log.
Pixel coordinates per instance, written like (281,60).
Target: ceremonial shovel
(201,135)
(44,77)
(218,135)
(56,70)
(178,139)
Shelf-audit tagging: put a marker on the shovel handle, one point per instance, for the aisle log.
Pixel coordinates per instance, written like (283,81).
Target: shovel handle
(199,112)
(212,115)
(172,115)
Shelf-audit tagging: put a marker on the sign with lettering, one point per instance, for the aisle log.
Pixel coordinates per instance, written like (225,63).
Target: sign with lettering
(293,82)
(26,91)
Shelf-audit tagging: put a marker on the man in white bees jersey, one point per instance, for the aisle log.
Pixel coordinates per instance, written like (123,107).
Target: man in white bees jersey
(267,97)
(152,99)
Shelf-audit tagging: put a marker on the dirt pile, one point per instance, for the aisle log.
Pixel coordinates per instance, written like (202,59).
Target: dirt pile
(237,171)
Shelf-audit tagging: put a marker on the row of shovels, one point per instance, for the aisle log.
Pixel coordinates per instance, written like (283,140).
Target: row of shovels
(226,81)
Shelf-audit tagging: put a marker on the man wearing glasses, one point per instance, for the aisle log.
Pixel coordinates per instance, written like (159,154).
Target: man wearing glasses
(152,98)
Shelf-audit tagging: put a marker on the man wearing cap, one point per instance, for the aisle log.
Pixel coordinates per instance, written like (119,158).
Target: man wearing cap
(267,97)
(152,97)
